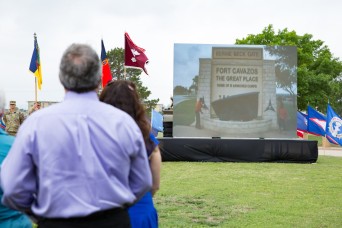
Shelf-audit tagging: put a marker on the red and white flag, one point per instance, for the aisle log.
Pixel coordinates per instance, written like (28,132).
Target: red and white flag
(134,55)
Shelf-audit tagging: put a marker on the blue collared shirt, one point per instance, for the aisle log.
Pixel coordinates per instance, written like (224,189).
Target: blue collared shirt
(75,158)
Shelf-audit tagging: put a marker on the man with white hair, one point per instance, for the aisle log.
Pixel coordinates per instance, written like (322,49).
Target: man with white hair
(9,217)
(73,164)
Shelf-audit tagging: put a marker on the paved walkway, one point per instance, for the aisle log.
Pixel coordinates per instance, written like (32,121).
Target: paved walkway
(330,151)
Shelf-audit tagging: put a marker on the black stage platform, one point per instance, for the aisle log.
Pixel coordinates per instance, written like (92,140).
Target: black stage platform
(238,150)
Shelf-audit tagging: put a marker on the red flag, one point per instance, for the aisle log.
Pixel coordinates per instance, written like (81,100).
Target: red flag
(106,74)
(300,133)
(134,55)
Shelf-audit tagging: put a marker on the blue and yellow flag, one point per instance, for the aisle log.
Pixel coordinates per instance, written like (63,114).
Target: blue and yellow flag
(35,66)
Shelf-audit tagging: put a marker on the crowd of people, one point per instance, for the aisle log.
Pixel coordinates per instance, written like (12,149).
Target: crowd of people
(88,161)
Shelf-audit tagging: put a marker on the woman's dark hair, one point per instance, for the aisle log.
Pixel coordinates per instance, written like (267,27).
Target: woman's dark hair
(122,94)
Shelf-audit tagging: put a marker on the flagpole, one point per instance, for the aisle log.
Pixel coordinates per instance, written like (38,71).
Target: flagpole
(35,89)
(125,56)
(35,78)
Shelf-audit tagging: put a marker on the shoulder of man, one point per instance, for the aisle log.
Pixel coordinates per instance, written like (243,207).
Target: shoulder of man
(21,115)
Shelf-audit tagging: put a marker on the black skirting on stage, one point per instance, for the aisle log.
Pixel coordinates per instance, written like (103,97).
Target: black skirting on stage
(238,150)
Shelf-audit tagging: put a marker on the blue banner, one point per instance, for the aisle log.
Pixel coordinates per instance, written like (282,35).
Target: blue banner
(316,122)
(157,122)
(333,127)
(302,122)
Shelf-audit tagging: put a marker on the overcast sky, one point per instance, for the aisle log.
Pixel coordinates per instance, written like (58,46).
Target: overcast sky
(155,25)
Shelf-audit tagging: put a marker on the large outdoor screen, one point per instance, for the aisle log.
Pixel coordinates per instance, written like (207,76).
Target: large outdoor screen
(234,91)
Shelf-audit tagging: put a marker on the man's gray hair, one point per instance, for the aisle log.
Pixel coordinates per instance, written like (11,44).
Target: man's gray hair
(80,68)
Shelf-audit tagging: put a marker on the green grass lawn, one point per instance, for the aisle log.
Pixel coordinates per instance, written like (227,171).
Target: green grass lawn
(316,138)
(195,194)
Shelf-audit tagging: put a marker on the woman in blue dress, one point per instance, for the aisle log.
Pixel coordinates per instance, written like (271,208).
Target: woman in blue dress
(9,218)
(122,94)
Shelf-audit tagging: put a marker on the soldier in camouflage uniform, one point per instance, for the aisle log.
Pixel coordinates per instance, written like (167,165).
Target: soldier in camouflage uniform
(13,119)
(35,107)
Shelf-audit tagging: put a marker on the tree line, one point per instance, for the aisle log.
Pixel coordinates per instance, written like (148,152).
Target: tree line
(316,71)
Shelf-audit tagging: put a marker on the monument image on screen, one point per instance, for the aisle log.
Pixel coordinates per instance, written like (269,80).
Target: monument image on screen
(235,91)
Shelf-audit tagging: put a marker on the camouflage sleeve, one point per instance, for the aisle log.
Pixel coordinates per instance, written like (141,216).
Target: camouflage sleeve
(4,119)
(22,117)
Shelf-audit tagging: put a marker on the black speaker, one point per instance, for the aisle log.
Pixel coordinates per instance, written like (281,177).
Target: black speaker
(167,129)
